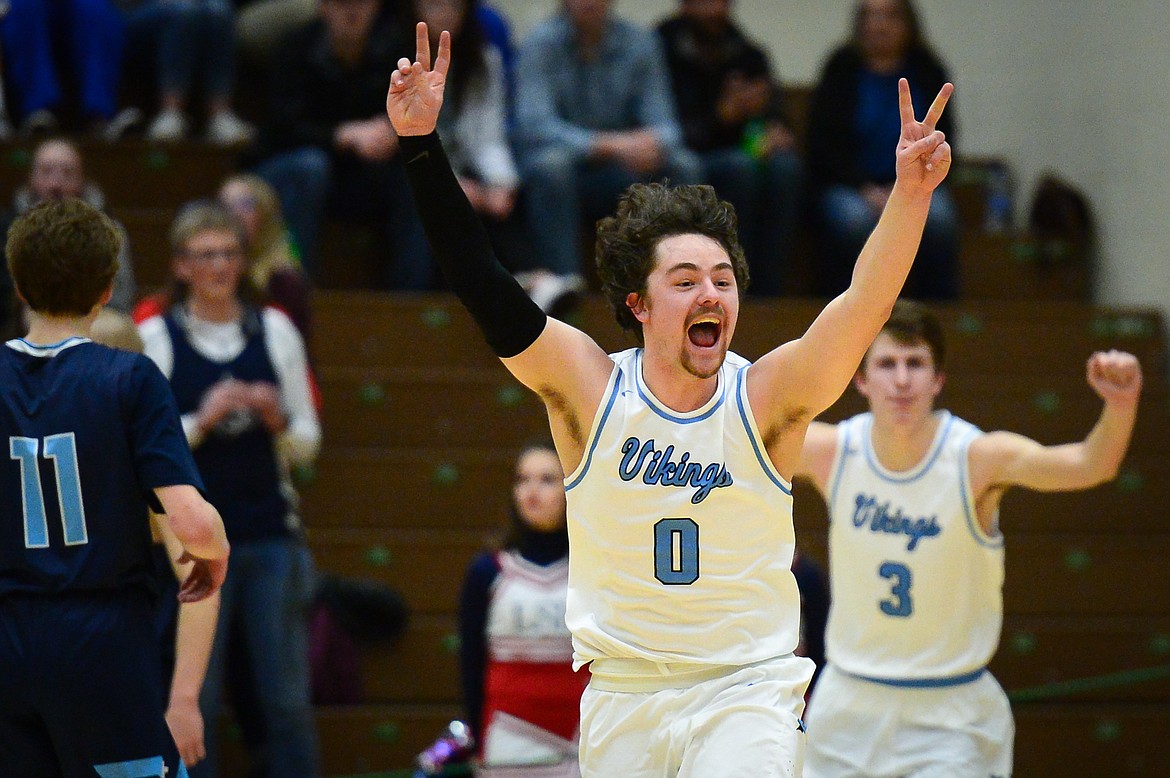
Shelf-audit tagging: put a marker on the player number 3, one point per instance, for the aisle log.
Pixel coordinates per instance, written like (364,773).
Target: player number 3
(899,603)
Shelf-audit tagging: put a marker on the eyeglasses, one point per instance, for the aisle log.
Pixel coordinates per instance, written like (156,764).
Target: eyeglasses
(211,254)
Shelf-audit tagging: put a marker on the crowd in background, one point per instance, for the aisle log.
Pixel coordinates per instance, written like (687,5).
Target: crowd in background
(545,130)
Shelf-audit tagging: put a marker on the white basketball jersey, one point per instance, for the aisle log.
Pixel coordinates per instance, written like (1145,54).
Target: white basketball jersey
(680,529)
(526,616)
(917,586)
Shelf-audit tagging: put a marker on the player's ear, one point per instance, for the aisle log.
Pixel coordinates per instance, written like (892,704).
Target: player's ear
(637,305)
(107,295)
(940,380)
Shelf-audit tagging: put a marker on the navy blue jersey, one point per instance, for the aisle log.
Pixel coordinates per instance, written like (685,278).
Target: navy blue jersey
(90,431)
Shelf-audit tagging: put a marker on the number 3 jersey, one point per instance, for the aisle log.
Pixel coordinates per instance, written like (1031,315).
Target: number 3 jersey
(681,531)
(916,583)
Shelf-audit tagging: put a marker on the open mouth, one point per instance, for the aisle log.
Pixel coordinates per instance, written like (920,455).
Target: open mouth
(704,332)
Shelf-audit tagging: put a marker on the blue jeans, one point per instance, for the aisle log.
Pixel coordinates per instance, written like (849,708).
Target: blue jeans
(185,38)
(265,600)
(848,220)
(766,196)
(95,34)
(561,191)
(310,182)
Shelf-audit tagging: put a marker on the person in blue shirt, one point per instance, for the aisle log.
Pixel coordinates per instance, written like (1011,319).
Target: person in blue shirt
(94,440)
(852,125)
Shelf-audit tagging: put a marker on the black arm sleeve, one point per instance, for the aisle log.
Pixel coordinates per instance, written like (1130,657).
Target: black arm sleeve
(510,321)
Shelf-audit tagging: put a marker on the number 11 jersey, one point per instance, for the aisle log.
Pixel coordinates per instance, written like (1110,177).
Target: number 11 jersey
(88,432)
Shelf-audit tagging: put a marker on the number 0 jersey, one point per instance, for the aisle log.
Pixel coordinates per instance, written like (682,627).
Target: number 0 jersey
(917,586)
(680,530)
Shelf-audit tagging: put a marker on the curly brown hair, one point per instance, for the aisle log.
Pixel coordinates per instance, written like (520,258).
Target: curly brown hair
(63,255)
(647,213)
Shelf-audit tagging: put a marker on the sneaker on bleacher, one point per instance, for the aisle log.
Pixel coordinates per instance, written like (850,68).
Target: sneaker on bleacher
(556,295)
(124,122)
(169,125)
(227,129)
(38,124)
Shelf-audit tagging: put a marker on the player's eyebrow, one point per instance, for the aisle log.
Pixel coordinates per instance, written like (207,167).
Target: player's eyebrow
(692,267)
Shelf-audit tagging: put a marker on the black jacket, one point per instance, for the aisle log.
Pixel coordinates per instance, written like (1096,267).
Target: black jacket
(832,142)
(312,92)
(697,80)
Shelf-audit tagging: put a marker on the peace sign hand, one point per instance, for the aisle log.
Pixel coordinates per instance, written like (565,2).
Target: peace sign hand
(924,156)
(416,91)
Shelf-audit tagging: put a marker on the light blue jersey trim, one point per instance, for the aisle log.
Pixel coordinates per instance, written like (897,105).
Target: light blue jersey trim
(661,410)
(914,473)
(842,456)
(51,350)
(922,683)
(154,767)
(617,382)
(981,537)
(765,463)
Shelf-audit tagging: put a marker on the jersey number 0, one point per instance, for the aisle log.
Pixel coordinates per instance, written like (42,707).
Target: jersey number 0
(62,449)
(676,551)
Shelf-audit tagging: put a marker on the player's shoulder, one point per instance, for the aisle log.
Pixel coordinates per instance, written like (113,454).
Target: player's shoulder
(625,358)
(736,362)
(960,429)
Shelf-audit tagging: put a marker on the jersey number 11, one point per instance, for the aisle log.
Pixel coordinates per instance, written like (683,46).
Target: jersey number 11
(62,449)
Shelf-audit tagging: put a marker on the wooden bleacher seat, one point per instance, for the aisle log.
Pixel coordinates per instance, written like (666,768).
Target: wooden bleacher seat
(1058,739)
(137,173)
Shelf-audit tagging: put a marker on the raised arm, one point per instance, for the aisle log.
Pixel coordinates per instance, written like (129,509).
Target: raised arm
(560,363)
(1000,460)
(804,377)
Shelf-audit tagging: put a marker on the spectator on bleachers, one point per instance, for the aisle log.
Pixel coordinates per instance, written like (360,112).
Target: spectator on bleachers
(332,150)
(594,114)
(240,377)
(474,122)
(273,266)
(731,109)
(93,34)
(273,269)
(177,41)
(520,693)
(853,124)
(58,172)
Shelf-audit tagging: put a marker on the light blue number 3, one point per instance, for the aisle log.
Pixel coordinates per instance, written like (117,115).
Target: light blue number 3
(62,449)
(676,551)
(902,606)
